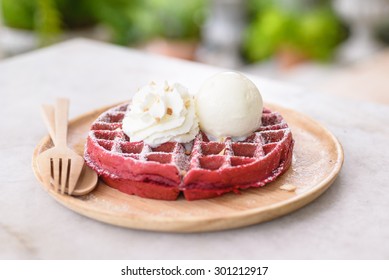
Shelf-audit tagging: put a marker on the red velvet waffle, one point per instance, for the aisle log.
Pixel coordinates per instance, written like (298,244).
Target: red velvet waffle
(201,169)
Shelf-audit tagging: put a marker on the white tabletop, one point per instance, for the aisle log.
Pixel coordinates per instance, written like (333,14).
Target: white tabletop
(349,221)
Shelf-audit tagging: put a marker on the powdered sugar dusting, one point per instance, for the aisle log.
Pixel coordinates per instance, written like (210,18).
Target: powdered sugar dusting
(105,203)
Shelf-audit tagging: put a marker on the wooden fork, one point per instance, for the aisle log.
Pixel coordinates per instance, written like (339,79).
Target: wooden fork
(60,166)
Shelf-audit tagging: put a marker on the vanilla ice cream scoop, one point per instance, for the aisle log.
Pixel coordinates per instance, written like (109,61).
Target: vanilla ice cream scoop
(229,105)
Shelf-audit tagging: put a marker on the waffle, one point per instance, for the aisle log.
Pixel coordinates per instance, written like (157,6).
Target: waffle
(200,169)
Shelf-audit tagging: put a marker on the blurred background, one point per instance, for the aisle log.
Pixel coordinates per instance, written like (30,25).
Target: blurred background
(307,42)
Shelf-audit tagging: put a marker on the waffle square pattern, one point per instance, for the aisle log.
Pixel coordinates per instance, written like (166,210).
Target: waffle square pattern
(200,169)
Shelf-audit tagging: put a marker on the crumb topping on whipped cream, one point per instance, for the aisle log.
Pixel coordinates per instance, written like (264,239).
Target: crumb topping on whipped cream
(160,113)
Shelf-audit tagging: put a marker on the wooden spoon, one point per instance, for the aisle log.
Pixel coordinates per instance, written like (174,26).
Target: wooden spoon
(79,178)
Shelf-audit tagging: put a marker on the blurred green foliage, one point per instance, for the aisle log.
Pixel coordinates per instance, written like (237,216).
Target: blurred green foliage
(382,32)
(47,17)
(140,20)
(308,27)
(26,14)
(130,21)
(47,21)
(19,14)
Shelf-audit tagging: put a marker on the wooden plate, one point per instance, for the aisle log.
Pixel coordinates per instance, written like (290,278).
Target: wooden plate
(317,160)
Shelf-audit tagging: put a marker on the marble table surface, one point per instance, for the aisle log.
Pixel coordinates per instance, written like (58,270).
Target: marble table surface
(349,221)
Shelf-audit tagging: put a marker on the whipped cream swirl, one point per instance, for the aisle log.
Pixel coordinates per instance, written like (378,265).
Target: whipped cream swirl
(160,113)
